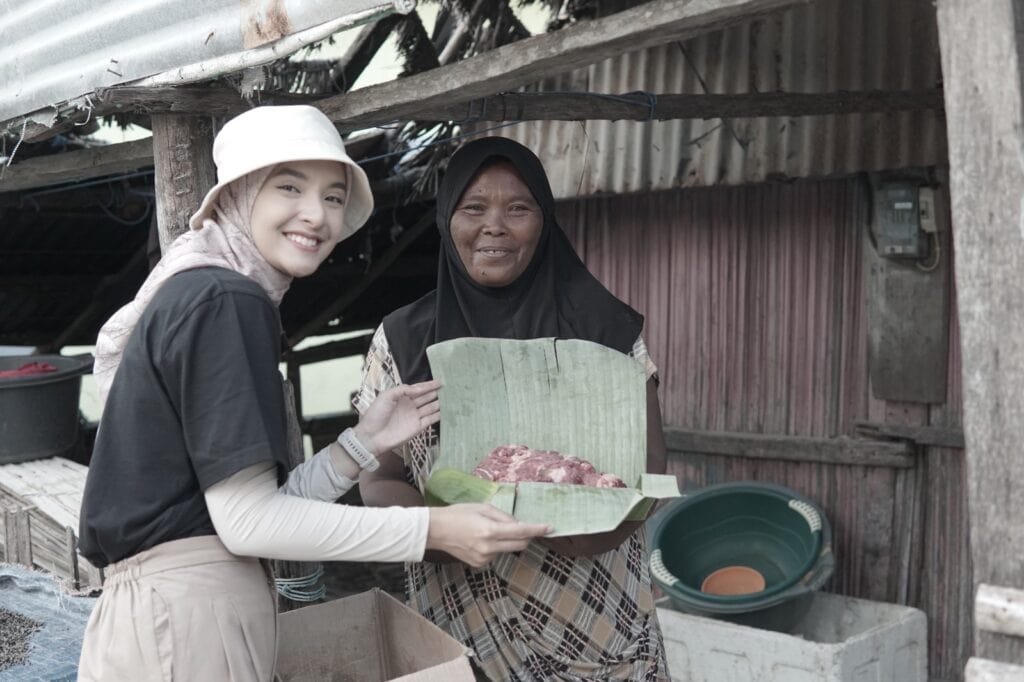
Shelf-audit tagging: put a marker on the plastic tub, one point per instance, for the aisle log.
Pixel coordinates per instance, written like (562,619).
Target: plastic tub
(39,412)
(765,528)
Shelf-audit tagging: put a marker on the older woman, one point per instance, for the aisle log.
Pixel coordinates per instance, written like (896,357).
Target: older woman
(570,608)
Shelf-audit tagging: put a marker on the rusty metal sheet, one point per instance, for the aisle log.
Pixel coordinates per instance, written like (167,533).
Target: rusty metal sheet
(823,46)
(58,50)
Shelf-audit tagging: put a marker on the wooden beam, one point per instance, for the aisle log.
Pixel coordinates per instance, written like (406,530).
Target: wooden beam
(57,169)
(415,45)
(18,536)
(71,550)
(78,165)
(540,106)
(330,351)
(185,100)
(841,450)
(999,610)
(378,268)
(583,106)
(363,48)
(922,435)
(533,59)
(981,44)
(184,170)
(984,670)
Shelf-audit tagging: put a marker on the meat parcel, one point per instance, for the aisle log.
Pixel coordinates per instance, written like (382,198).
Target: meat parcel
(565,423)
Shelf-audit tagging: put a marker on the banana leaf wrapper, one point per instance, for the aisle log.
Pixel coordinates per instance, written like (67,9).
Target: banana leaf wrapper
(577,397)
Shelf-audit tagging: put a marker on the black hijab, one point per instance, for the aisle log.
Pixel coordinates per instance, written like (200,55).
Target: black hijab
(556,296)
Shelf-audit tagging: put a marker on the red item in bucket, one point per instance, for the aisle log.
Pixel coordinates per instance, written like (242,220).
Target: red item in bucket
(28,369)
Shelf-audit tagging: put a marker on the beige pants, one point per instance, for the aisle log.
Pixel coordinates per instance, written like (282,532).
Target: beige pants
(186,610)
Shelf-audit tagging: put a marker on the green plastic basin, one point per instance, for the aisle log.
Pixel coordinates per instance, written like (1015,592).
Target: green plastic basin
(769,528)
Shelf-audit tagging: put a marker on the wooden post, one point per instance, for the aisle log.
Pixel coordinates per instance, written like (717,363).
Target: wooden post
(18,536)
(71,544)
(981,670)
(183,161)
(999,609)
(982,82)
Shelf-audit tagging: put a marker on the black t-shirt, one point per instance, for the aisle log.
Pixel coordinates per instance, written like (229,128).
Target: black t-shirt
(197,397)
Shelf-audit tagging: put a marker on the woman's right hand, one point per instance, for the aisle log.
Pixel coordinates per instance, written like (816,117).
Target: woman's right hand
(477,533)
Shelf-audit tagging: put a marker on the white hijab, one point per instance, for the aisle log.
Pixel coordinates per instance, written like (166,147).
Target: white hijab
(224,241)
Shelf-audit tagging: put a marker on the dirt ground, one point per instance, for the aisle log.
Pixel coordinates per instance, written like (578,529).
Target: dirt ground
(15,631)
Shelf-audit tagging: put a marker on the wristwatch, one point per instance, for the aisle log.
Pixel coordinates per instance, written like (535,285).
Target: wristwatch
(357,451)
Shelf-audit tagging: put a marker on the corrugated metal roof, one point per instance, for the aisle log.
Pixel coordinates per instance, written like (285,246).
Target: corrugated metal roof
(826,46)
(56,50)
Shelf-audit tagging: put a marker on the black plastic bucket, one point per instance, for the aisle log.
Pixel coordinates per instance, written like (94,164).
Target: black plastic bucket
(39,412)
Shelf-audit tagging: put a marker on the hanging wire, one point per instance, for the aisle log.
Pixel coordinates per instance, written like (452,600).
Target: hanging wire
(300,589)
(121,221)
(936,255)
(90,183)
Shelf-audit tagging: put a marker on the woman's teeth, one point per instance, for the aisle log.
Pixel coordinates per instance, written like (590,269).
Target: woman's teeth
(308,242)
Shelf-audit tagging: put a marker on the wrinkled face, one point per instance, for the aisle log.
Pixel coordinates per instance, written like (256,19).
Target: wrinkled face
(496,226)
(298,216)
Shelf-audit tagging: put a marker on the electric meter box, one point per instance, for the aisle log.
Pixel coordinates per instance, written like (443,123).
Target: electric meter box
(898,231)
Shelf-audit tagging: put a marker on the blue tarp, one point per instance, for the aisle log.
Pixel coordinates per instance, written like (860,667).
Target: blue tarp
(55,647)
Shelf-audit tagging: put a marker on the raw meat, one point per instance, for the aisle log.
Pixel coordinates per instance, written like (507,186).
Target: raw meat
(515,463)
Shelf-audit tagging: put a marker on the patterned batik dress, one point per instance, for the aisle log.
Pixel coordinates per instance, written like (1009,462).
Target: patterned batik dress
(536,614)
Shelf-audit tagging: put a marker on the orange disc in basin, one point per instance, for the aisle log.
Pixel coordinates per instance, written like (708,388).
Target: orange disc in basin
(733,580)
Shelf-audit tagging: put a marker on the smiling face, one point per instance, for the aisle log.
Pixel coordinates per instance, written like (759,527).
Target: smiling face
(298,216)
(496,226)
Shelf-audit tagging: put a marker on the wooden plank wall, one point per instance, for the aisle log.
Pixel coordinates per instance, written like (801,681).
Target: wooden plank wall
(755,299)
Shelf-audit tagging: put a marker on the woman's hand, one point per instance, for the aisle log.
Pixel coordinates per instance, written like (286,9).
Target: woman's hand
(477,533)
(398,414)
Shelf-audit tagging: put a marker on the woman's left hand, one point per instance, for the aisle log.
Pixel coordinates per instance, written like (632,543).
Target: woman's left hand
(398,414)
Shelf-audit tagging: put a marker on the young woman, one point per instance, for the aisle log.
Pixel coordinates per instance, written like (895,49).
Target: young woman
(188,480)
(577,608)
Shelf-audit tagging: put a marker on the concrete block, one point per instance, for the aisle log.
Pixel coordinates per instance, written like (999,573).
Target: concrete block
(841,639)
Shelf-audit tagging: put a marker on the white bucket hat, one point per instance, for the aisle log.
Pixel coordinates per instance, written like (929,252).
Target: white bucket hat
(266,136)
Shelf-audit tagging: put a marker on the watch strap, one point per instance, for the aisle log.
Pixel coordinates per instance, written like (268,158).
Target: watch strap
(357,451)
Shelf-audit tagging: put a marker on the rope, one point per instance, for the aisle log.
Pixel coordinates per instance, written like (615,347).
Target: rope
(305,588)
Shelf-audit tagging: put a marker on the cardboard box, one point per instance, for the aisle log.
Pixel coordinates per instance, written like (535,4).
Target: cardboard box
(369,637)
